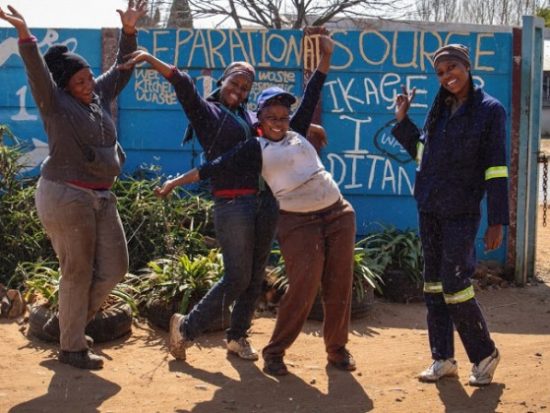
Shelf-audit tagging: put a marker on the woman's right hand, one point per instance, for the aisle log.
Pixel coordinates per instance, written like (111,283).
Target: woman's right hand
(403,103)
(17,21)
(165,190)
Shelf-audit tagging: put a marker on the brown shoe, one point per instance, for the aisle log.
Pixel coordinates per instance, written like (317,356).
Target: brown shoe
(342,360)
(275,366)
(84,359)
(178,342)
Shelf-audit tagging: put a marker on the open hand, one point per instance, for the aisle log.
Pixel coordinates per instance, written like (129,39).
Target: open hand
(14,18)
(403,103)
(132,14)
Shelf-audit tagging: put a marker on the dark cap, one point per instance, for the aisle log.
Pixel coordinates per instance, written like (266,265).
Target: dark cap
(272,95)
(452,51)
(242,68)
(63,64)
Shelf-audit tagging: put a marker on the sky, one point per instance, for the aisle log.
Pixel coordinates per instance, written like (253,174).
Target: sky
(67,13)
(76,13)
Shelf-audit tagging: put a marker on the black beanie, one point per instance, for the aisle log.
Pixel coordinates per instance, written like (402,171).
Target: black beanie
(63,64)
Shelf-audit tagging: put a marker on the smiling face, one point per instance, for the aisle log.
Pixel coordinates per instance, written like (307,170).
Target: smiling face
(81,85)
(454,76)
(274,121)
(234,90)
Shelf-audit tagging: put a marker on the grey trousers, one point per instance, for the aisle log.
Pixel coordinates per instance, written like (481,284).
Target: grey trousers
(87,235)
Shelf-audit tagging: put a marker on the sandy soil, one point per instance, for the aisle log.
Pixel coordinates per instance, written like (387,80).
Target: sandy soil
(390,346)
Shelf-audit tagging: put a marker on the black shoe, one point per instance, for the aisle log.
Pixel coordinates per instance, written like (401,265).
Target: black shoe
(275,366)
(342,360)
(84,359)
(51,328)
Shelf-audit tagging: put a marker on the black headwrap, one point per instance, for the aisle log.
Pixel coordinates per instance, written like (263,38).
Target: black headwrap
(63,64)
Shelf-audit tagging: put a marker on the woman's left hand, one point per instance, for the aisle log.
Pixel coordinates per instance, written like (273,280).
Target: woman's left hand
(132,14)
(130,60)
(493,237)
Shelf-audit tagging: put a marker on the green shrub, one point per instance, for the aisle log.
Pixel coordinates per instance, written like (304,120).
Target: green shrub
(183,279)
(154,227)
(42,280)
(394,249)
(162,227)
(22,237)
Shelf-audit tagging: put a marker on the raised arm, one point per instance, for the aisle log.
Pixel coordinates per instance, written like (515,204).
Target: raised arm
(16,20)
(111,83)
(42,86)
(304,114)
(403,103)
(206,118)
(131,15)
(405,131)
(326,47)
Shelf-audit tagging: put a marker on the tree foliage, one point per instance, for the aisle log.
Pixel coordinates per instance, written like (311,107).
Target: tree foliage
(273,14)
(496,12)
(544,12)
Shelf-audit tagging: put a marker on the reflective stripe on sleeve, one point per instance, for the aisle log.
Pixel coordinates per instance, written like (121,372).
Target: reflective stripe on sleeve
(460,297)
(433,288)
(496,172)
(419,152)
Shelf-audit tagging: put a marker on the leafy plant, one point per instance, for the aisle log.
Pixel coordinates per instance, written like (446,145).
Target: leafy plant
(42,281)
(394,249)
(162,227)
(365,272)
(182,279)
(22,237)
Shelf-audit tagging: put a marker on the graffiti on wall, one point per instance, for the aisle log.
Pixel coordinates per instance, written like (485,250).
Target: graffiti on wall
(368,69)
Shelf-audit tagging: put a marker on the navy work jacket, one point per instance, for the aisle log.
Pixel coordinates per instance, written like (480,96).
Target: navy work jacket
(462,159)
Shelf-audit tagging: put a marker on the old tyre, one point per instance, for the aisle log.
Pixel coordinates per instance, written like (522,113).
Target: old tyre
(107,325)
(399,287)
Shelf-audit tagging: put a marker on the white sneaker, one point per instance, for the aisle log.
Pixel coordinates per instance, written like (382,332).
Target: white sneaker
(177,341)
(482,373)
(242,348)
(439,369)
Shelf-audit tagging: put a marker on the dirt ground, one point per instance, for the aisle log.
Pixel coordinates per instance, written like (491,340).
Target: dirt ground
(389,344)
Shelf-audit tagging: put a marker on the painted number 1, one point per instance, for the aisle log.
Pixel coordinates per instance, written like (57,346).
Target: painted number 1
(23,114)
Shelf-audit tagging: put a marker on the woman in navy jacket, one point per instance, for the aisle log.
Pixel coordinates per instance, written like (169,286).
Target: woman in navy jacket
(461,156)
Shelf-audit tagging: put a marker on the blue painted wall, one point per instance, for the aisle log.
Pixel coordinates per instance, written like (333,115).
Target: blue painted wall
(369,68)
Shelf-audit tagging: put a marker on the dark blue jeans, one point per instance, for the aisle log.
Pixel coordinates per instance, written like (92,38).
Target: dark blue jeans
(448,245)
(245,229)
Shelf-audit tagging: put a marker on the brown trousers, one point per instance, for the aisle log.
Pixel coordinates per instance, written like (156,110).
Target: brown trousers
(87,236)
(318,250)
